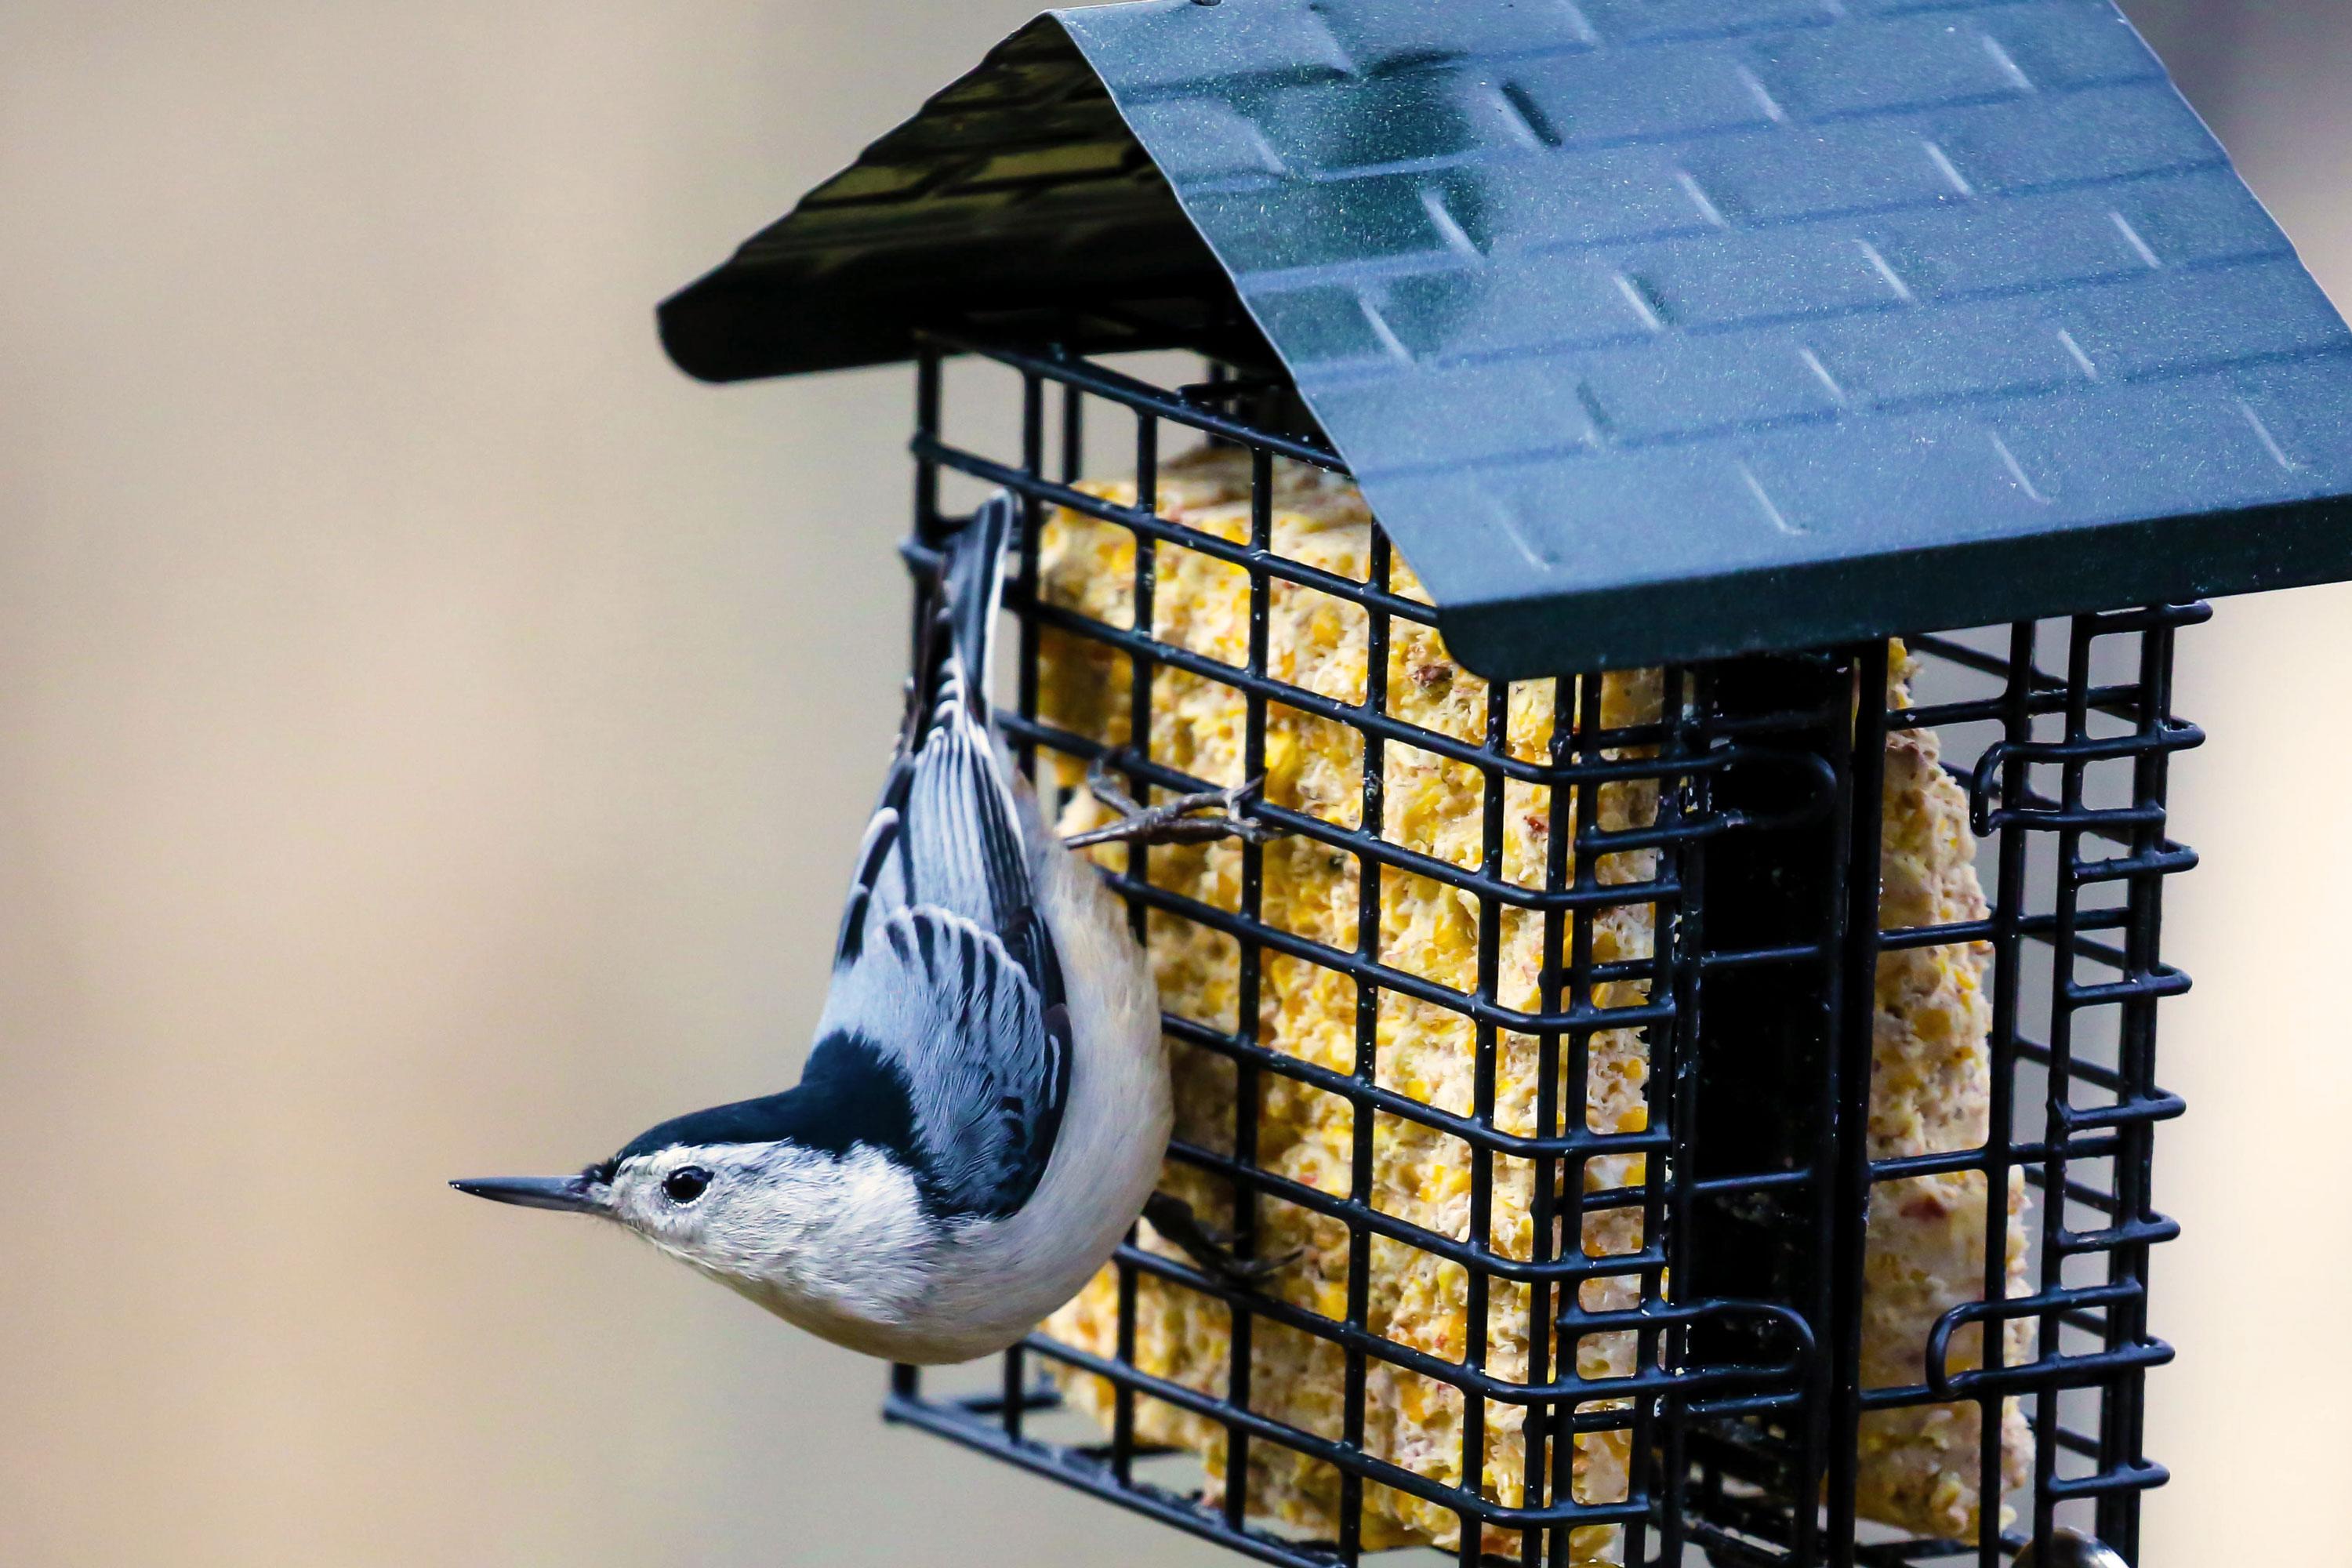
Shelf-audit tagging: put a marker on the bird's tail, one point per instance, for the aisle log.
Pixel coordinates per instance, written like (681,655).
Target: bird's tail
(963,627)
(972,581)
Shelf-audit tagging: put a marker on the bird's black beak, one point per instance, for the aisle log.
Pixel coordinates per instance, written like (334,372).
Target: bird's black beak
(573,1195)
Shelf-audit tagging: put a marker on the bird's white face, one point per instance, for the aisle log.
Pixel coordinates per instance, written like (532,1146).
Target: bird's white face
(830,1242)
(722,1205)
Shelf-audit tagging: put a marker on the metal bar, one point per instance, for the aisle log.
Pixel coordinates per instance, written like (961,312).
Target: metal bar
(1468,1005)
(1475,1324)
(1371,815)
(1563,1386)
(1140,396)
(1032,522)
(1145,519)
(1087,1475)
(1856,1012)
(2038,927)
(2054,1164)
(1573,1140)
(1373,722)
(1539,1431)
(1365,844)
(2044,1374)
(927,429)
(1396,1477)
(2122,1414)
(1564,1268)
(1246,981)
(2114,700)
(1137,877)
(927,528)
(1953,651)
(1657,1102)
(1679,937)
(2007,924)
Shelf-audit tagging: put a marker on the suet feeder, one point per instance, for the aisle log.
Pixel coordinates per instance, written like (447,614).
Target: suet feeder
(1698,1035)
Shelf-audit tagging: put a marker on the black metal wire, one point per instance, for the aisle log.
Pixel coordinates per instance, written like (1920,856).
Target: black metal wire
(1759,870)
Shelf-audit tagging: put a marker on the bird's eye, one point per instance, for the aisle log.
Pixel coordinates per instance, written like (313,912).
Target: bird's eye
(685,1183)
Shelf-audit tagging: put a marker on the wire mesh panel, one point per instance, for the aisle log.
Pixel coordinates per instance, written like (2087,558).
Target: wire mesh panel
(1549,1057)
(2070,792)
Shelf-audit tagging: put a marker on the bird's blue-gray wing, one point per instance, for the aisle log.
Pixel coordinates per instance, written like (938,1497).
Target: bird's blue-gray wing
(945,968)
(944,1003)
(947,833)
(948,836)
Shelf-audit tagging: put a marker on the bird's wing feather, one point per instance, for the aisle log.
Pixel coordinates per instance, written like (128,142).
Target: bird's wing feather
(945,962)
(961,843)
(948,834)
(877,879)
(982,1054)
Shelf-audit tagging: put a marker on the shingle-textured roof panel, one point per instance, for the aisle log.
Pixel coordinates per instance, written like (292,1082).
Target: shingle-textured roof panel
(1663,329)
(1017,195)
(1717,324)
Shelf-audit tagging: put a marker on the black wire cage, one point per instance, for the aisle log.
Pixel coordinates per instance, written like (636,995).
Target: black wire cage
(1746,1294)
(1703,366)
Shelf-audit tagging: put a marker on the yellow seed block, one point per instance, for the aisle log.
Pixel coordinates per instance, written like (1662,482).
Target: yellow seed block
(1930,1048)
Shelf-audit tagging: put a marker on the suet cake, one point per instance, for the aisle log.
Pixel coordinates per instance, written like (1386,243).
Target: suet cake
(1929,1092)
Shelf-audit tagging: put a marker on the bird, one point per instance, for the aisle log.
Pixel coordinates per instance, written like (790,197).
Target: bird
(982,1117)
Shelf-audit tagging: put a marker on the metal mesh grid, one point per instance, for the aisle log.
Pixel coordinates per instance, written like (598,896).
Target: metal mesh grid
(1759,870)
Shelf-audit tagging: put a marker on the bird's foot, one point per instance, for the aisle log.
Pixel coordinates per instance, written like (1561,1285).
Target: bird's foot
(1200,819)
(1173,1218)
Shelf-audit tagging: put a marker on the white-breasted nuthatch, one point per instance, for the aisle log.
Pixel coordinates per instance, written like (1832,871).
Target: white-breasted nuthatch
(987,1104)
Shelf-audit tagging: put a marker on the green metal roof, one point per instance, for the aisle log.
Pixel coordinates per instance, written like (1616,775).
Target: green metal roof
(1652,328)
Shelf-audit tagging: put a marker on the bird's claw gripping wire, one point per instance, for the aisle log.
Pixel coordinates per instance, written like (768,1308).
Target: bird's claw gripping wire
(1174,1218)
(1199,818)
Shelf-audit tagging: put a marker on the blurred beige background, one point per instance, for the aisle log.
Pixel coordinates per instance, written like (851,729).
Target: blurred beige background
(432,733)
